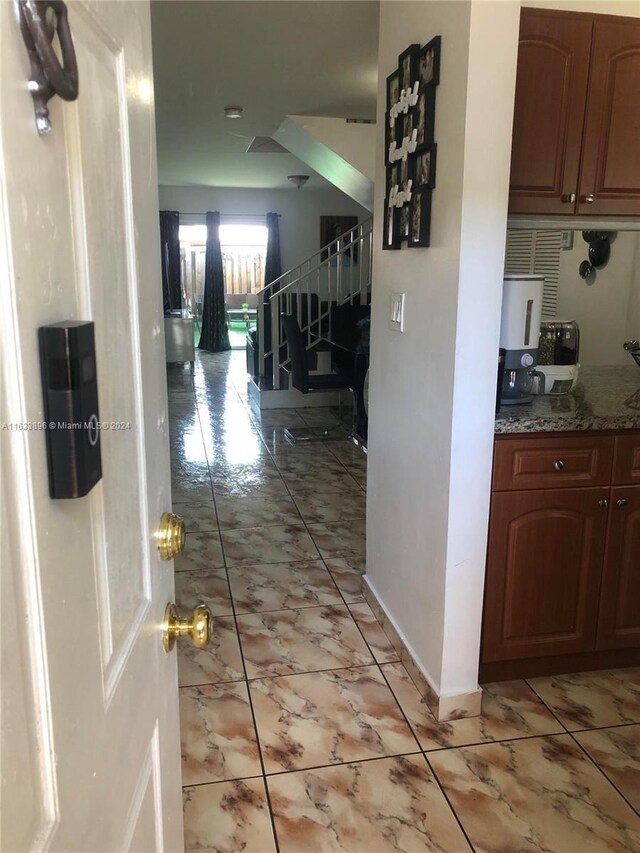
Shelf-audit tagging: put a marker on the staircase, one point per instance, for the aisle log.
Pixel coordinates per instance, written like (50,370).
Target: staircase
(338,274)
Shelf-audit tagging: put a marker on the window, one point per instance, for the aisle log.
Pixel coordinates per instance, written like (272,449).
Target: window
(244,250)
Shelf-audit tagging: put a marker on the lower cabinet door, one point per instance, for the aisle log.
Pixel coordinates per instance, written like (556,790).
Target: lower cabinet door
(544,568)
(619,623)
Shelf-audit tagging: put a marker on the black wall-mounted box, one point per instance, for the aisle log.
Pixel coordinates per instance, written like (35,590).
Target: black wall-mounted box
(70,392)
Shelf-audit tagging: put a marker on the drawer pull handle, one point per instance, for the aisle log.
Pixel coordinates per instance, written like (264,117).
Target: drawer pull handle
(559,465)
(622,503)
(603,503)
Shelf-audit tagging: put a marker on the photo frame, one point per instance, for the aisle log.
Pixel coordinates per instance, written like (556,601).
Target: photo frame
(393,177)
(393,133)
(424,116)
(429,62)
(391,231)
(423,168)
(393,88)
(404,223)
(419,219)
(408,66)
(332,227)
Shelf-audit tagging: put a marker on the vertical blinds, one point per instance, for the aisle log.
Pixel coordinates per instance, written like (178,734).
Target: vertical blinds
(536,252)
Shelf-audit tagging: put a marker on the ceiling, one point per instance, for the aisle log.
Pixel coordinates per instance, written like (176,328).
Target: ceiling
(313,57)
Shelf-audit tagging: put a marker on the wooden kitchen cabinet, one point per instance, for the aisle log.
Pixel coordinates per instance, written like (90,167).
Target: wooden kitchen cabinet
(543,572)
(619,622)
(562,587)
(576,129)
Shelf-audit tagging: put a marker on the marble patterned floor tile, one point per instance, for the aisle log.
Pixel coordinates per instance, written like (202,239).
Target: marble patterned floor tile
(340,539)
(348,453)
(510,710)
(319,415)
(376,639)
(323,481)
(388,804)
(253,545)
(282,586)
(187,490)
(217,734)
(535,794)
(250,485)
(198,517)
(227,817)
(220,661)
(616,751)
(237,511)
(202,552)
(328,717)
(348,578)
(288,641)
(277,417)
(208,587)
(322,507)
(592,700)
(297,467)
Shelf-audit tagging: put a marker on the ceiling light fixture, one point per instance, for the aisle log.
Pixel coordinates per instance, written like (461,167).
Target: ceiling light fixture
(233,112)
(298,180)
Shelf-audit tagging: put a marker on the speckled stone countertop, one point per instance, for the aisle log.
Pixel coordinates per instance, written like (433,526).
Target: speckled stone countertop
(598,402)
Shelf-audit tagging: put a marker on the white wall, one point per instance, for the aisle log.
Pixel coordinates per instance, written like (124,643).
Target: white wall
(608,309)
(354,142)
(432,388)
(300,211)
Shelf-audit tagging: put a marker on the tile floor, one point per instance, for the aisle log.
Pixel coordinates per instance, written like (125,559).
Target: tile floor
(301,731)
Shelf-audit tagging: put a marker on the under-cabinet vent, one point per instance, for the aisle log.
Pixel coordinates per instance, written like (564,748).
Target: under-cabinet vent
(536,252)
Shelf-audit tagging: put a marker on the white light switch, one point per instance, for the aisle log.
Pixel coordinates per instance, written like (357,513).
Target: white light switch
(397,312)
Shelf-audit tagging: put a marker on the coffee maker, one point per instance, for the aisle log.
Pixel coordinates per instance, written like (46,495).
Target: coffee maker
(519,336)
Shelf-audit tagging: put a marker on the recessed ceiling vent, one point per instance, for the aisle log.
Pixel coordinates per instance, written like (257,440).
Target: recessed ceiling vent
(265,145)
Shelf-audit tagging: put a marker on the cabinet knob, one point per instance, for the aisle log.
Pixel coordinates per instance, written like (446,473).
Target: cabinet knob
(603,503)
(568,198)
(588,199)
(622,503)
(558,465)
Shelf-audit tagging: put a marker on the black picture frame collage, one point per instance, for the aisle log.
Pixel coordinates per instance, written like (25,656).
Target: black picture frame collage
(410,149)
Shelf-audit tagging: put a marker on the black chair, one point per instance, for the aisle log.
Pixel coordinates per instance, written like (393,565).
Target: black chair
(301,379)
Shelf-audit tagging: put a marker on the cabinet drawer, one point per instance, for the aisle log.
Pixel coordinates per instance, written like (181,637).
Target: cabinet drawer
(626,463)
(552,462)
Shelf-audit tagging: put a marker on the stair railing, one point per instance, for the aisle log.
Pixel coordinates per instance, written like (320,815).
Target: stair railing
(338,274)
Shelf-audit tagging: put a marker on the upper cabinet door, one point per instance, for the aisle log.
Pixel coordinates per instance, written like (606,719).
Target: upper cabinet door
(551,91)
(611,144)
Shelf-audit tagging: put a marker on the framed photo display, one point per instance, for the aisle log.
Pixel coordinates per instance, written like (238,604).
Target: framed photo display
(420,219)
(423,171)
(429,62)
(410,148)
(391,235)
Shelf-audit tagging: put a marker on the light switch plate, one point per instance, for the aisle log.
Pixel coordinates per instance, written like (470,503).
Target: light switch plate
(397,312)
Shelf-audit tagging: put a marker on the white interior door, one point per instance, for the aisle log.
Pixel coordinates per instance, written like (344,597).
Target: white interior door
(90,737)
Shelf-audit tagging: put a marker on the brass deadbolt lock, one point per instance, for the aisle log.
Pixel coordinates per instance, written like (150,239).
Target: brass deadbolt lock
(171,536)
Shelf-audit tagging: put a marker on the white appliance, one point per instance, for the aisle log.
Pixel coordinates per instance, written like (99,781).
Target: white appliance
(519,335)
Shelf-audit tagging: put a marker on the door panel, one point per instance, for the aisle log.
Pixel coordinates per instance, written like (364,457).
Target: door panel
(619,624)
(610,161)
(543,572)
(551,87)
(79,241)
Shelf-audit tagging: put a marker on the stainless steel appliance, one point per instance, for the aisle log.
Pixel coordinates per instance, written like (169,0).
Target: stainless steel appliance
(558,355)
(519,336)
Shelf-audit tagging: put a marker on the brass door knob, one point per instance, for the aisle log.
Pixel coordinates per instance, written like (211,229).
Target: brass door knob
(198,627)
(588,199)
(568,198)
(622,503)
(171,536)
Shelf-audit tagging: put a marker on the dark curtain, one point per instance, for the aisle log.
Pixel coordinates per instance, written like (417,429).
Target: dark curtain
(170,253)
(215,334)
(272,271)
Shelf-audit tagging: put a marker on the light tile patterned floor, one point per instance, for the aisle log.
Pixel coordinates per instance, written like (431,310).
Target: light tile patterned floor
(301,730)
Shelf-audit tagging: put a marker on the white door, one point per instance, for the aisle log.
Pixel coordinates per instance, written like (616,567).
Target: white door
(90,739)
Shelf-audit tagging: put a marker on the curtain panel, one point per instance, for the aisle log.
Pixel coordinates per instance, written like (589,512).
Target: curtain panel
(170,255)
(214,336)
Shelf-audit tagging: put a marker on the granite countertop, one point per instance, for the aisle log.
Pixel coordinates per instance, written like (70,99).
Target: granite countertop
(599,401)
